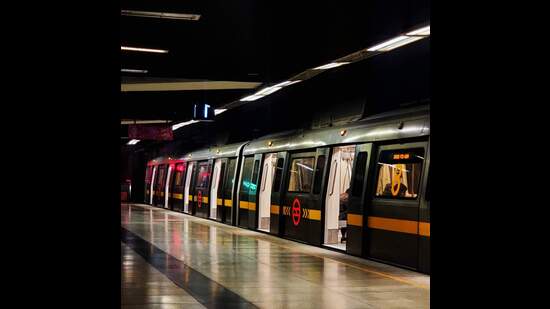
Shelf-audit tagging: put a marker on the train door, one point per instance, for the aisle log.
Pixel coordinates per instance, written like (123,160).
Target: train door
(393,221)
(302,202)
(186,195)
(168,185)
(337,194)
(356,208)
(152,186)
(228,184)
(277,192)
(266,183)
(177,187)
(217,182)
(148,172)
(161,179)
(247,191)
(202,184)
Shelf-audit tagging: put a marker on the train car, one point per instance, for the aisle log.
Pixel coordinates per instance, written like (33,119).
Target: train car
(361,188)
(210,189)
(163,178)
(358,188)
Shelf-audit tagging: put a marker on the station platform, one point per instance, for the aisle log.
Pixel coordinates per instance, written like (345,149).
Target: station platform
(174,260)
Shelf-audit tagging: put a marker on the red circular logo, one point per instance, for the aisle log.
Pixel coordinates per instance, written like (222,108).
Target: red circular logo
(199,199)
(296,212)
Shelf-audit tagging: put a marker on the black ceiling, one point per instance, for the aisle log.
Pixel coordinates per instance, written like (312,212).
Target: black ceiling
(267,42)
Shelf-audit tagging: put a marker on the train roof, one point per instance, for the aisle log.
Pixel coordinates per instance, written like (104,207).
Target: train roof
(403,123)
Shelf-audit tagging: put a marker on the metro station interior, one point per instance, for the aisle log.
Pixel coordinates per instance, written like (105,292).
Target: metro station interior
(275,155)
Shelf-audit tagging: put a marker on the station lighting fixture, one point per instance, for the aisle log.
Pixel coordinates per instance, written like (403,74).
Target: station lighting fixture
(133,71)
(161,15)
(186,123)
(330,65)
(145,50)
(401,40)
(133,142)
(269,90)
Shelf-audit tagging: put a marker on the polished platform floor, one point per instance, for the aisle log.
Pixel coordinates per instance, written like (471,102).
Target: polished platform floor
(172,260)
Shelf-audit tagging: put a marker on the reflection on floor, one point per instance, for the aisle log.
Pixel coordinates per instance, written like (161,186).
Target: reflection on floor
(267,271)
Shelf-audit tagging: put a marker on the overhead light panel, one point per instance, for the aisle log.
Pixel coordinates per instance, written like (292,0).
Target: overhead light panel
(330,65)
(269,90)
(218,111)
(424,31)
(183,124)
(161,15)
(133,142)
(401,40)
(133,71)
(146,50)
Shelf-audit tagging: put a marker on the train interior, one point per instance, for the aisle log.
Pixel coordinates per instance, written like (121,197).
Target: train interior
(339,181)
(268,174)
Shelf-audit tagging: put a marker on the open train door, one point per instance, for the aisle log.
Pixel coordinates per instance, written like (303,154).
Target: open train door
(270,192)
(216,189)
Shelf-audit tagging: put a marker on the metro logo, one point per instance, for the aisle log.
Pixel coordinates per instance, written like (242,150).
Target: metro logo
(296,212)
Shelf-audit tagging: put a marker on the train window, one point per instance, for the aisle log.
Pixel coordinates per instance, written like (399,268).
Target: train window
(160,178)
(278,175)
(148,174)
(246,183)
(320,168)
(360,170)
(203,175)
(301,175)
(228,183)
(179,174)
(399,173)
(221,177)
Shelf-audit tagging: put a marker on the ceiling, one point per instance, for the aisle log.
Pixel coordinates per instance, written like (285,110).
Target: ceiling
(243,44)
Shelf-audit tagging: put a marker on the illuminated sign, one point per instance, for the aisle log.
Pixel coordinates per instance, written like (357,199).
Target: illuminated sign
(203,112)
(401,156)
(296,212)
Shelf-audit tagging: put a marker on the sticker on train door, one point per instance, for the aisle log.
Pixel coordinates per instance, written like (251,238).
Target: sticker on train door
(296,212)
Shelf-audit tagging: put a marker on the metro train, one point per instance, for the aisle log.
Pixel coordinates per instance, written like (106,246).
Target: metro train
(361,188)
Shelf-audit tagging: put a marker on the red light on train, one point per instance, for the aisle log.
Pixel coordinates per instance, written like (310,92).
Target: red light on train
(179,168)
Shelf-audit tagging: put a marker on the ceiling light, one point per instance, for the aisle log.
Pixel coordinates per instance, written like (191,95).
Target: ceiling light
(421,31)
(133,71)
(218,111)
(252,98)
(147,50)
(388,43)
(183,124)
(268,90)
(287,83)
(162,15)
(330,65)
(133,142)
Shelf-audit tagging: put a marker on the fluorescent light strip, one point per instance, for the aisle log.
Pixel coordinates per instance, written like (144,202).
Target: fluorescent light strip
(409,39)
(330,65)
(161,15)
(133,71)
(269,90)
(219,111)
(388,43)
(183,124)
(147,50)
(133,142)
(422,31)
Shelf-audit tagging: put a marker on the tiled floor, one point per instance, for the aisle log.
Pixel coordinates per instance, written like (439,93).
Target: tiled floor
(265,271)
